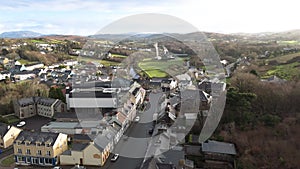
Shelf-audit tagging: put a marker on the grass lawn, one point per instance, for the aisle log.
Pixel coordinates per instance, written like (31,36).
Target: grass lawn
(118,56)
(37,41)
(291,42)
(26,62)
(8,161)
(285,58)
(103,62)
(286,71)
(10,119)
(159,68)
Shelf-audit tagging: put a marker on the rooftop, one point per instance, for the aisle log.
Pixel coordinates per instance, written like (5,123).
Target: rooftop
(34,137)
(218,147)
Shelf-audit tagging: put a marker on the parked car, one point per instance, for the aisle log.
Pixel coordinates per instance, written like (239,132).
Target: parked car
(137,119)
(79,167)
(125,137)
(56,167)
(150,131)
(21,124)
(115,157)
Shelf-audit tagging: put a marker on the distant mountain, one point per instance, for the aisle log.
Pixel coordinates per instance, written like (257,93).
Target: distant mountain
(20,34)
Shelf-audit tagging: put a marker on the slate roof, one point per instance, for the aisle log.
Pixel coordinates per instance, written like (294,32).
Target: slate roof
(34,137)
(3,129)
(102,140)
(33,100)
(79,146)
(218,147)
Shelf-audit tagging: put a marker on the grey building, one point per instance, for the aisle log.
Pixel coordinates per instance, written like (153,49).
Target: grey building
(31,106)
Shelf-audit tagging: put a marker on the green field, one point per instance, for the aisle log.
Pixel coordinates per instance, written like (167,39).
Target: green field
(291,42)
(286,71)
(103,62)
(26,62)
(118,56)
(160,68)
(285,58)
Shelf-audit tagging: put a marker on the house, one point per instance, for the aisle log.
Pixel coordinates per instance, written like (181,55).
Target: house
(218,154)
(31,67)
(24,75)
(212,88)
(47,107)
(4,60)
(137,93)
(94,153)
(4,75)
(38,148)
(8,134)
(168,84)
(184,80)
(274,79)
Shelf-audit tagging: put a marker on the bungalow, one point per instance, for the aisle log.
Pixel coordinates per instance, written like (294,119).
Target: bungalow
(5,75)
(8,134)
(20,76)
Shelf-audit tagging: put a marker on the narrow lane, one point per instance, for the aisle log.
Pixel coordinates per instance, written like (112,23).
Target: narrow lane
(133,149)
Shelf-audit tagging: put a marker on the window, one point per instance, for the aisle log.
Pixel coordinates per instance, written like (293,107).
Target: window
(48,153)
(20,158)
(48,160)
(19,151)
(48,145)
(41,161)
(28,151)
(38,144)
(39,152)
(28,160)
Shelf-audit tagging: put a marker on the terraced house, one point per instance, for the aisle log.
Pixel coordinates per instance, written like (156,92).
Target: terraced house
(39,148)
(31,106)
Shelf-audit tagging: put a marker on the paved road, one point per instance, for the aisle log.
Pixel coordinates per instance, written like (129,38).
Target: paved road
(133,150)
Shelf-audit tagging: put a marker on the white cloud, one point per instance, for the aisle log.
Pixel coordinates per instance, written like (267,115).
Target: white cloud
(87,17)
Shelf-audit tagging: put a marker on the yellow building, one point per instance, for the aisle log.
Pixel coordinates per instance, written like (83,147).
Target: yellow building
(8,135)
(33,148)
(94,153)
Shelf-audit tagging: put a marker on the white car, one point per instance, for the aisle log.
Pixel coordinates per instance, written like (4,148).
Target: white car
(21,123)
(56,167)
(137,119)
(115,157)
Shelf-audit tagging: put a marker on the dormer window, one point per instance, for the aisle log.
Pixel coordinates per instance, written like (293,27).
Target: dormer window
(38,144)
(48,144)
(27,143)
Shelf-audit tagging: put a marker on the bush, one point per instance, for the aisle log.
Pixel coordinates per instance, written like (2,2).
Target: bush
(270,120)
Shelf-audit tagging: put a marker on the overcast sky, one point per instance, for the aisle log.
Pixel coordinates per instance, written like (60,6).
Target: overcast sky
(86,17)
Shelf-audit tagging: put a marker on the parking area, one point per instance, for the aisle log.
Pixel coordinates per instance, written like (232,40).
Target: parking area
(34,123)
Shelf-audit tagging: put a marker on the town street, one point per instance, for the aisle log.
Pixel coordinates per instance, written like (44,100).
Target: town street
(133,150)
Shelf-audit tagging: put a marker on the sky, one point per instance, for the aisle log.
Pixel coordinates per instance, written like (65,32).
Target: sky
(86,17)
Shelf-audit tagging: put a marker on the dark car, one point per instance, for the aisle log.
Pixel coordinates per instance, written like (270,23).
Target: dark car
(150,131)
